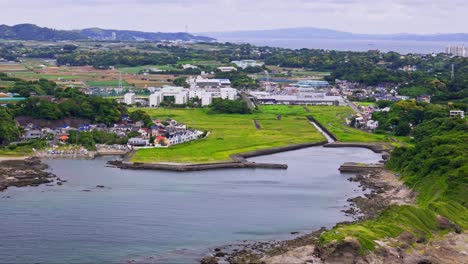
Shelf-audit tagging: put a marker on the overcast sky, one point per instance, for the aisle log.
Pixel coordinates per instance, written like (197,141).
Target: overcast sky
(358,16)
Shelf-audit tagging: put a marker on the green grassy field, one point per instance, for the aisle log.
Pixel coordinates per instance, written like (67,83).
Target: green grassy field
(232,134)
(6,84)
(364,103)
(201,62)
(107,83)
(19,151)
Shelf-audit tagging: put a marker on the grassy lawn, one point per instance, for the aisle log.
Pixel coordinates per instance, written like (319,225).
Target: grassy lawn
(365,103)
(107,83)
(201,62)
(333,118)
(230,134)
(20,151)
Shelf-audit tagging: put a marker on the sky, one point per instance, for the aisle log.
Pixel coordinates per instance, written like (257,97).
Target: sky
(357,16)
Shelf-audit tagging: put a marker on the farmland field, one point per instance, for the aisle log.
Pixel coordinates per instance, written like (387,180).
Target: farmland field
(135,70)
(107,83)
(232,134)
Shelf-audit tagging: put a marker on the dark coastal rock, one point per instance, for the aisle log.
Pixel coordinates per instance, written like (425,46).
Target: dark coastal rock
(445,223)
(346,251)
(209,260)
(220,254)
(20,173)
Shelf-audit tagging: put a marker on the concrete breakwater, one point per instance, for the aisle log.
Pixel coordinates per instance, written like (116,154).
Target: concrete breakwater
(353,167)
(239,161)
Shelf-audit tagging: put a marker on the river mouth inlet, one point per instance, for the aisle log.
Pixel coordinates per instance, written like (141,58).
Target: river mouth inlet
(170,217)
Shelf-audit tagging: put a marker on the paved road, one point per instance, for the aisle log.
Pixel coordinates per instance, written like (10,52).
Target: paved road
(353,106)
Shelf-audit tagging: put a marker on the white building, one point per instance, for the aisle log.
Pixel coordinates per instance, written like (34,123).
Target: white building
(206,99)
(228,93)
(180,94)
(155,99)
(138,142)
(247,63)
(457,51)
(200,82)
(227,69)
(457,113)
(129,98)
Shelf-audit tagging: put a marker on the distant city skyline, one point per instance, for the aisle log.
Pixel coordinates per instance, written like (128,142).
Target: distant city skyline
(356,16)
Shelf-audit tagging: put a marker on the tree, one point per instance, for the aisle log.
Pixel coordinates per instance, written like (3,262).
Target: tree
(181,81)
(8,129)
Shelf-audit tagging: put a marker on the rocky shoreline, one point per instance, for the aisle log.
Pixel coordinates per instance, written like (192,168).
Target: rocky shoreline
(383,189)
(24,172)
(379,186)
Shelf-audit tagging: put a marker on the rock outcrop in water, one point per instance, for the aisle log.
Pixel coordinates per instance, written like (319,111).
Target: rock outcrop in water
(27,172)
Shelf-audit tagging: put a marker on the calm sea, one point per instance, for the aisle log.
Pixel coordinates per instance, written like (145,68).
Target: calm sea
(403,47)
(168,217)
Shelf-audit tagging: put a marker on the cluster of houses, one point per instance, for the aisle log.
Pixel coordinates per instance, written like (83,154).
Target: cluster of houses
(364,120)
(165,133)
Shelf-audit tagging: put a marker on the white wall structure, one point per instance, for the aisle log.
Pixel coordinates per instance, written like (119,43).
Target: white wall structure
(247,63)
(206,99)
(180,94)
(129,98)
(155,99)
(181,98)
(228,93)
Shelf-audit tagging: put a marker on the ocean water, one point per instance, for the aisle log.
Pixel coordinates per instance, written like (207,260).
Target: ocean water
(169,217)
(400,46)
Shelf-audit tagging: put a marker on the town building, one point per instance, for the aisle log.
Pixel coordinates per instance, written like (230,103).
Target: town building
(129,98)
(312,84)
(200,82)
(226,69)
(457,51)
(155,99)
(457,113)
(138,142)
(33,133)
(247,63)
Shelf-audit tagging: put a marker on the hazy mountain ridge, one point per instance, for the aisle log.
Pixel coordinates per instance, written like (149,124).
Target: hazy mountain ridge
(306,33)
(34,32)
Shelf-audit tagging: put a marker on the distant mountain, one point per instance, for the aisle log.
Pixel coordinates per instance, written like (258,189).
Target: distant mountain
(311,33)
(33,32)
(130,35)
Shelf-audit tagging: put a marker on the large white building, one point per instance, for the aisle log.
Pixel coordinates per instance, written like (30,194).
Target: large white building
(204,89)
(247,63)
(155,99)
(457,51)
(180,94)
(129,98)
(200,82)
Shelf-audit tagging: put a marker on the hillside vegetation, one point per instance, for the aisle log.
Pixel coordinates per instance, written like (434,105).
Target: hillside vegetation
(436,167)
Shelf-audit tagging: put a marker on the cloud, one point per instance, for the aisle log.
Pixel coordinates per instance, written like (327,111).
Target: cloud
(362,16)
